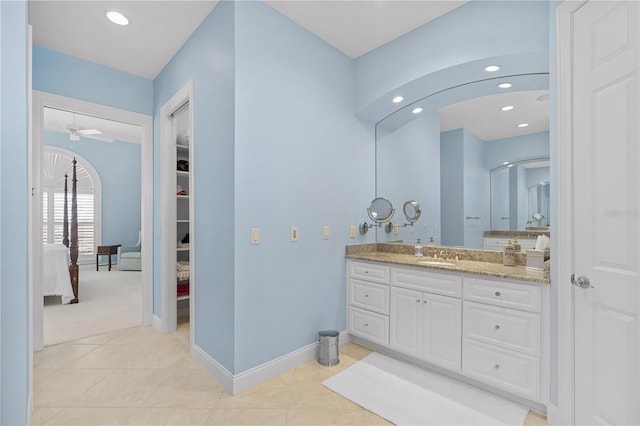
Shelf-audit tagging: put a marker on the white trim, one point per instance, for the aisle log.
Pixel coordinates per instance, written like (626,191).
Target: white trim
(564,412)
(40,101)
(254,376)
(168,297)
(157,322)
(30,237)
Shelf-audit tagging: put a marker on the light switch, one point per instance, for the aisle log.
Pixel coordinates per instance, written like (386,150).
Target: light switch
(352,231)
(294,233)
(395,229)
(325,232)
(255,235)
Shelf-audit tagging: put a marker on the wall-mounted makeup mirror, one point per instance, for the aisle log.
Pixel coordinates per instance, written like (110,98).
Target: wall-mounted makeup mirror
(443,147)
(380,211)
(412,211)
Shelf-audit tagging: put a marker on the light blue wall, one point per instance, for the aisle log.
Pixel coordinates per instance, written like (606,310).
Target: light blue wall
(118,166)
(465,189)
(207,58)
(302,159)
(477,192)
(473,32)
(65,75)
(452,187)
(535,145)
(14,190)
(408,168)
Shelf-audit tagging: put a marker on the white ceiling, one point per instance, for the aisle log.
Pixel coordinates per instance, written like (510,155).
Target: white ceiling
(483,117)
(156,31)
(158,28)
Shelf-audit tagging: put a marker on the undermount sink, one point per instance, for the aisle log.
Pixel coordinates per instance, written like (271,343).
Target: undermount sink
(436,263)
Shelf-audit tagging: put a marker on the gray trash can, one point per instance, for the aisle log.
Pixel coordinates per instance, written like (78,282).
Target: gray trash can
(328,353)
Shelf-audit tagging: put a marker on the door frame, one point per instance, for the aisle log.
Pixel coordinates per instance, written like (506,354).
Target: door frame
(564,412)
(40,100)
(168,315)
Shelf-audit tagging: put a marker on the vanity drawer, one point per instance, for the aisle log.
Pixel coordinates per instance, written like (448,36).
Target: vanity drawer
(370,296)
(515,330)
(508,295)
(509,370)
(369,272)
(369,325)
(421,280)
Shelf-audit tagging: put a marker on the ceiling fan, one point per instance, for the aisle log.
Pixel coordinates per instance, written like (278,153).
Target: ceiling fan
(76,131)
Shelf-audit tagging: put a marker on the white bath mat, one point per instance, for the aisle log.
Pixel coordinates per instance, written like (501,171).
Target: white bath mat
(407,395)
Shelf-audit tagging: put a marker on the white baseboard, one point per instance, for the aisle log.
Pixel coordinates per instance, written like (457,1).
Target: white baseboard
(254,376)
(157,323)
(213,367)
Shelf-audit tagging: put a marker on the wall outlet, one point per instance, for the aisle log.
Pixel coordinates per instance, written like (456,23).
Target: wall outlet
(424,228)
(352,231)
(325,232)
(255,236)
(395,229)
(294,233)
(411,229)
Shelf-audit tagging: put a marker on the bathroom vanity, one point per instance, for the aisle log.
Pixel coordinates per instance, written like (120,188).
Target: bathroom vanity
(472,317)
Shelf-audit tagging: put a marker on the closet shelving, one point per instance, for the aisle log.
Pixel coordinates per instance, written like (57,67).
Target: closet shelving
(183,220)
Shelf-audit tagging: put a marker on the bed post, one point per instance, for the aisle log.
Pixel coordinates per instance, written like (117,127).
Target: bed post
(73,247)
(65,221)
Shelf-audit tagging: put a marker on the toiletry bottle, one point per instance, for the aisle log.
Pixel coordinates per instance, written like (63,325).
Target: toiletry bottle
(508,257)
(516,246)
(418,248)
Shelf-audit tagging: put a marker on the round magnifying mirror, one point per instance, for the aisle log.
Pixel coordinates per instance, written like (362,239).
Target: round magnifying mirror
(412,211)
(381,210)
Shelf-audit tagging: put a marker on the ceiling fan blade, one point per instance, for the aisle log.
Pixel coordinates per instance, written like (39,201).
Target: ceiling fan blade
(86,132)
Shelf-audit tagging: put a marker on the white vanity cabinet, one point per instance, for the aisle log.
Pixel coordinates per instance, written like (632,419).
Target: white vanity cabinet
(490,330)
(368,301)
(502,335)
(424,323)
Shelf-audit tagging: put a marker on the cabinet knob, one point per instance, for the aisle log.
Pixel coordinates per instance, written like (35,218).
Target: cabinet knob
(366,295)
(498,293)
(496,367)
(366,272)
(497,327)
(366,324)
(417,300)
(424,301)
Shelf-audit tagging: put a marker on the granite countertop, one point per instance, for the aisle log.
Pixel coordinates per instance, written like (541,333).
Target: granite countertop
(479,262)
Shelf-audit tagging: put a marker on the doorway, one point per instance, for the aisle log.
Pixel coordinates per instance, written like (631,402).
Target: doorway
(42,100)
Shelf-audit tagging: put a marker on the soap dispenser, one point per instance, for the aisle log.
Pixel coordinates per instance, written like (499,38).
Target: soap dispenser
(508,256)
(418,248)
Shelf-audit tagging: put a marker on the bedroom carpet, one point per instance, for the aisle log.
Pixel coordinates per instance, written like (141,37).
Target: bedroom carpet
(109,301)
(407,395)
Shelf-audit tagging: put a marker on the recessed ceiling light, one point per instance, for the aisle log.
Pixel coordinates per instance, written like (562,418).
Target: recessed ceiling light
(505,85)
(117,18)
(507,108)
(397,99)
(505,163)
(492,68)
(523,124)
(417,110)
(510,165)
(543,183)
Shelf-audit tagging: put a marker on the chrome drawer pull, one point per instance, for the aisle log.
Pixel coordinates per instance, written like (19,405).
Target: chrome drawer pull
(498,293)
(497,327)
(366,324)
(496,367)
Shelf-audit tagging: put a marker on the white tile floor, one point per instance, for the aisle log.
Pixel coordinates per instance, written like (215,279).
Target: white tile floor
(141,377)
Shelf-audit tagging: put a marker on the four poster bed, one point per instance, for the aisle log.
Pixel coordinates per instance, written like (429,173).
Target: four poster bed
(60,262)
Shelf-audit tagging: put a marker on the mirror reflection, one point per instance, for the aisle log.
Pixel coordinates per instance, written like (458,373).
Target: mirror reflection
(453,150)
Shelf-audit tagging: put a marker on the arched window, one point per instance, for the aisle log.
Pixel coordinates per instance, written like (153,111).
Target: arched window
(57,163)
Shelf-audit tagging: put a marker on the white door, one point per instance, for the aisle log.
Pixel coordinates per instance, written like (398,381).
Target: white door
(405,319)
(442,330)
(606,198)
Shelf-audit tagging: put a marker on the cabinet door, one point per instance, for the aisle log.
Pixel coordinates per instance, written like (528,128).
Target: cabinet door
(442,330)
(405,320)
